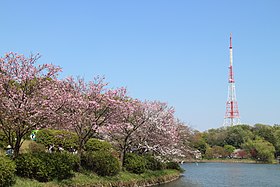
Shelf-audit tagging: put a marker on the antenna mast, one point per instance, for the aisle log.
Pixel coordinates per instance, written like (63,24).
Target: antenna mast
(232,114)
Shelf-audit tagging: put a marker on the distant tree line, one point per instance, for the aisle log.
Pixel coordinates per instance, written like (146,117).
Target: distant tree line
(259,142)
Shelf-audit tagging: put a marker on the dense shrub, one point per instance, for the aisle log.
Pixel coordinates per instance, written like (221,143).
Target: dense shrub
(173,165)
(7,171)
(87,161)
(57,137)
(101,162)
(45,136)
(134,163)
(3,140)
(36,147)
(64,164)
(152,163)
(28,165)
(97,145)
(106,163)
(45,166)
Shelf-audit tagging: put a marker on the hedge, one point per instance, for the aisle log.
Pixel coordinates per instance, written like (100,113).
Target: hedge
(152,163)
(174,165)
(46,166)
(7,171)
(97,145)
(65,138)
(134,163)
(101,162)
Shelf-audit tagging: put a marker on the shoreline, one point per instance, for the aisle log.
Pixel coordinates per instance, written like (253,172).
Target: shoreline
(244,161)
(171,179)
(150,182)
(220,161)
(148,179)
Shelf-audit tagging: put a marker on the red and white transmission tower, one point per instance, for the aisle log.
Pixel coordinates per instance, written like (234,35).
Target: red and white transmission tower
(232,113)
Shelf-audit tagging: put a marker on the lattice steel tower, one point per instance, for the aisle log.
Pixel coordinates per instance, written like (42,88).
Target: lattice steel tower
(232,114)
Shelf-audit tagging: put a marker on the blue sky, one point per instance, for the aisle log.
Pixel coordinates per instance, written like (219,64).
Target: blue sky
(172,51)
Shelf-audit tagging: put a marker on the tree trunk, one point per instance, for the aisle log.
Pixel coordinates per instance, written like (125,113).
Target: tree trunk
(123,157)
(123,154)
(124,149)
(16,147)
(80,152)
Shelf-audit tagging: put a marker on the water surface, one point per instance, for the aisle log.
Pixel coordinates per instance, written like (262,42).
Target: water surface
(228,174)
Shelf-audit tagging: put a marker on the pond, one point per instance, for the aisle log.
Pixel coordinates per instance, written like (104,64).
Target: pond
(228,174)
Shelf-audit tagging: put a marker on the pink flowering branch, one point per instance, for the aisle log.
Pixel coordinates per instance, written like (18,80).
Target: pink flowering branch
(26,91)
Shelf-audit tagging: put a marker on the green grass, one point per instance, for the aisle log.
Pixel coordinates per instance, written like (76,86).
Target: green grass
(28,183)
(90,179)
(25,146)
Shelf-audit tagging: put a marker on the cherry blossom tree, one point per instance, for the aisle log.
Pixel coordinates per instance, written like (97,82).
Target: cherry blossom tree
(150,136)
(27,95)
(146,127)
(130,115)
(89,106)
(32,97)
(160,133)
(183,141)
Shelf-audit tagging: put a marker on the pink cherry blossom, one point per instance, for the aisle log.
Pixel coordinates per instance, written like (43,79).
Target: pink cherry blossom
(27,93)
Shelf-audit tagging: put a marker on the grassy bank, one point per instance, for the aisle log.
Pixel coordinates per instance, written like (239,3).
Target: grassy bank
(123,179)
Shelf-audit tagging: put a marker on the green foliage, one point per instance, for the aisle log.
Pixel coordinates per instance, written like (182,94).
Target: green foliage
(215,152)
(219,152)
(265,131)
(87,161)
(63,164)
(265,151)
(134,163)
(152,163)
(36,147)
(198,142)
(246,127)
(106,164)
(260,150)
(229,149)
(270,134)
(45,166)
(277,141)
(97,145)
(7,171)
(88,179)
(208,153)
(3,140)
(28,166)
(216,137)
(65,138)
(237,135)
(173,165)
(101,162)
